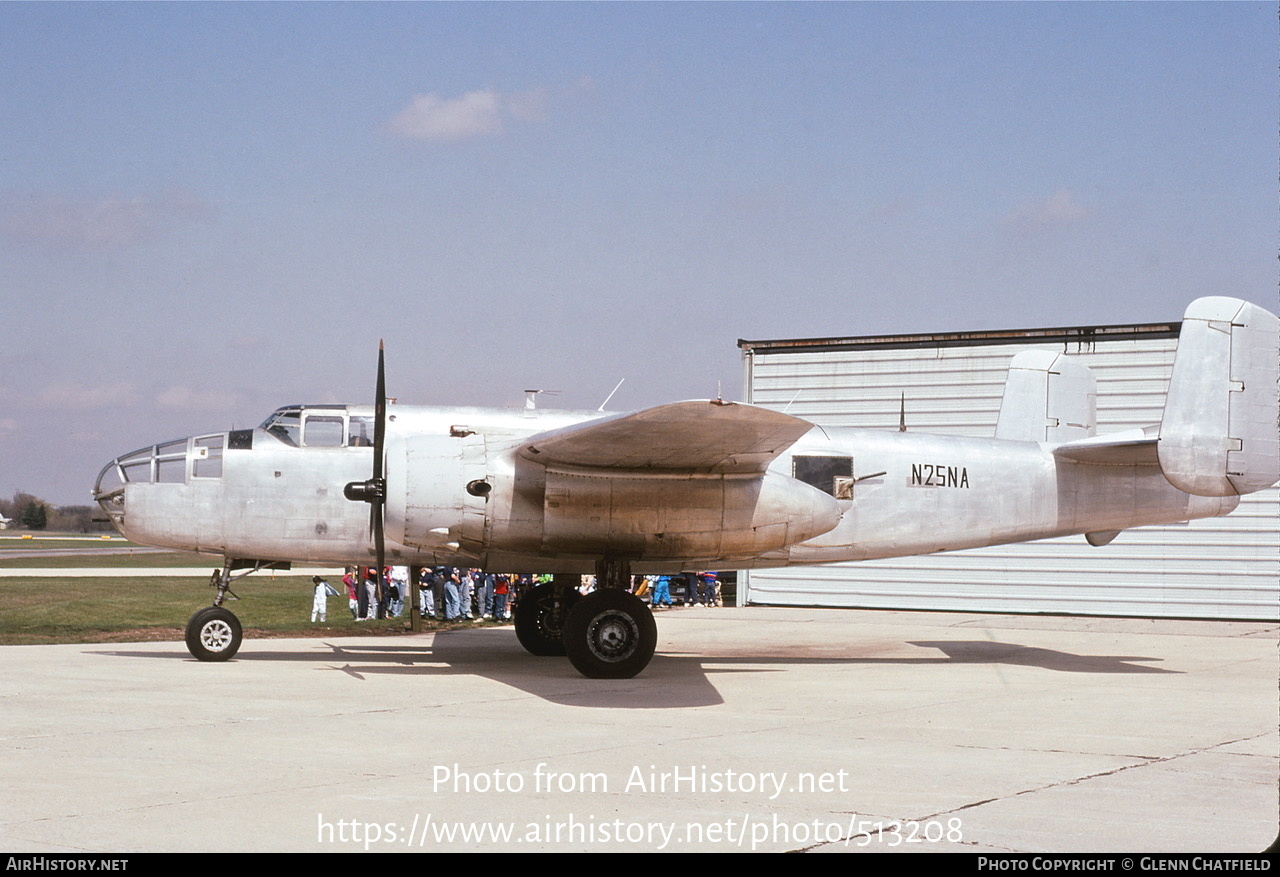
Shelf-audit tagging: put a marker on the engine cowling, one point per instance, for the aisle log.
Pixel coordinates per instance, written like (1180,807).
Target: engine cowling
(674,517)
(437,492)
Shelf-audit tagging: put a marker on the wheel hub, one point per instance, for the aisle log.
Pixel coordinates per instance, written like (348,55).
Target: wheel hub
(613,636)
(215,635)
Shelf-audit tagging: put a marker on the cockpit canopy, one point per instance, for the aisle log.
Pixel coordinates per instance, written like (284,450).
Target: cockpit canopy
(319,426)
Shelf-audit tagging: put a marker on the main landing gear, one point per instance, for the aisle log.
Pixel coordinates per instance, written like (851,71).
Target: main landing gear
(540,616)
(607,634)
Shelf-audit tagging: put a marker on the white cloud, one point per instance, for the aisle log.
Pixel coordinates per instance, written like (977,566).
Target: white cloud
(431,117)
(1059,209)
(482,113)
(102,224)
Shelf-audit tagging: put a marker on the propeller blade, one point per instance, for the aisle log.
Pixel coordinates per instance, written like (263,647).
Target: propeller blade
(379,413)
(379,547)
(377,511)
(374,491)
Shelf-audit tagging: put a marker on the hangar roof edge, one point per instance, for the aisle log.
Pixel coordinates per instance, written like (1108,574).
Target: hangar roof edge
(1064,334)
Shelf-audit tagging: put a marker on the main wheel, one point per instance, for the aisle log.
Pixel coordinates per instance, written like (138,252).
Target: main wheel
(610,634)
(213,634)
(535,620)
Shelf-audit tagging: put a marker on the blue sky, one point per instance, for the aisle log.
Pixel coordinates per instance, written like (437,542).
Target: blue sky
(209,210)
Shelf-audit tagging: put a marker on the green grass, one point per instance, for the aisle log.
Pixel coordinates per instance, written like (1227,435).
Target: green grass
(79,609)
(88,609)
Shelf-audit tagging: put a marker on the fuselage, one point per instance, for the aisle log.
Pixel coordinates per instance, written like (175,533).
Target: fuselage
(459,492)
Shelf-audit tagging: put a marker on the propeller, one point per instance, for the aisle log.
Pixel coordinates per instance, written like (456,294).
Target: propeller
(374,491)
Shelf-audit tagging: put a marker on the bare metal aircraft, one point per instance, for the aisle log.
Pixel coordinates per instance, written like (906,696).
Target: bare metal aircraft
(696,485)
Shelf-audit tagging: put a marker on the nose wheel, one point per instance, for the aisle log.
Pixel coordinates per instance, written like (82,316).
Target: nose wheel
(213,634)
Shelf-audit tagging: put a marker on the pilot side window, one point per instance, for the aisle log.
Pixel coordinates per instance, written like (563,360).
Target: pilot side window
(833,475)
(322,431)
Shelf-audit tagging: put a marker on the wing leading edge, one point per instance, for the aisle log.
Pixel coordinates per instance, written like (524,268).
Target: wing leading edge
(693,436)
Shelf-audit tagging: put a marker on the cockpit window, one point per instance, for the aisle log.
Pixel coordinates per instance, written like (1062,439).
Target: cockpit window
(286,425)
(318,426)
(322,431)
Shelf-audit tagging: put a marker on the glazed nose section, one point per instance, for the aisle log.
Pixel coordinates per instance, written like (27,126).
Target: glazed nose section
(165,462)
(108,492)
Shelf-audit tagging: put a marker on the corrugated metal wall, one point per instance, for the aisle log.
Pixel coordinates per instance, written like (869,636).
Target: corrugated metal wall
(1215,568)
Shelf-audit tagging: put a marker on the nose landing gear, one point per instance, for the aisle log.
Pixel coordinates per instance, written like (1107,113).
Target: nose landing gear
(213,634)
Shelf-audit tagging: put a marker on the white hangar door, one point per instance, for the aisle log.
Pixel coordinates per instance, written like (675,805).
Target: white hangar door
(1225,568)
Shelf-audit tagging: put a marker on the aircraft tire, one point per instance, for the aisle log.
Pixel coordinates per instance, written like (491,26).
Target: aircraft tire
(610,634)
(533,619)
(213,634)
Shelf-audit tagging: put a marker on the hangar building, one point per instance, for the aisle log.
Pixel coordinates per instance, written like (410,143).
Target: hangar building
(951,383)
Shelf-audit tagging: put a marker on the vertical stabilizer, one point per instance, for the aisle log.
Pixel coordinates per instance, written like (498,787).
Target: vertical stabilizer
(1048,397)
(1219,434)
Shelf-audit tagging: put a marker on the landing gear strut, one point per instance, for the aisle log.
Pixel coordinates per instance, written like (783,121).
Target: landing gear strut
(214,633)
(610,633)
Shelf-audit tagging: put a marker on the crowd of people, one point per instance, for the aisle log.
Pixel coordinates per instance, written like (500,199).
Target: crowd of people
(453,594)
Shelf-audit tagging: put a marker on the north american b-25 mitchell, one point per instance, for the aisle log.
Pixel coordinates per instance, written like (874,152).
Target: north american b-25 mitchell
(696,485)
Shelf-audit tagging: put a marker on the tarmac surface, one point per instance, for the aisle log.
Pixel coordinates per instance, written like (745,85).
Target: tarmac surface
(756,728)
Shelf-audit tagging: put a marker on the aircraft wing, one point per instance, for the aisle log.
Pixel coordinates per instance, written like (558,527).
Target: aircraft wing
(696,436)
(1134,447)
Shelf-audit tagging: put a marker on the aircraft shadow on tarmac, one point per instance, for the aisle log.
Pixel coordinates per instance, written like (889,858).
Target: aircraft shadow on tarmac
(672,680)
(987,652)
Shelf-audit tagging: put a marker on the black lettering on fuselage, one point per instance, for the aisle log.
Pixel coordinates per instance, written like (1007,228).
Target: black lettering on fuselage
(935,475)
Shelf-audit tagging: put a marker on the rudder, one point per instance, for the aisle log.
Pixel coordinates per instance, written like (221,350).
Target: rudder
(1219,434)
(1048,397)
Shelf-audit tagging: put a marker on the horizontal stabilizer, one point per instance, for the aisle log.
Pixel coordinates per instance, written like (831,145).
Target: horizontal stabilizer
(1134,447)
(1048,397)
(697,436)
(1219,436)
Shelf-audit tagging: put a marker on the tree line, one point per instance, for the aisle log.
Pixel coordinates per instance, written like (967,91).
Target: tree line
(29,512)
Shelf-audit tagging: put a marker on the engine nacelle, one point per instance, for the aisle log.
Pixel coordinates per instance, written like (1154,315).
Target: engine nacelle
(673,517)
(436,493)
(445,495)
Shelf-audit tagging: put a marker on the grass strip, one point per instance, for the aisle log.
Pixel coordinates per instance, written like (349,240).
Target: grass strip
(91,609)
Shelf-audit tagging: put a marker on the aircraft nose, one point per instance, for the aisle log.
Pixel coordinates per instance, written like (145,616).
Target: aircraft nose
(165,462)
(108,492)
(160,462)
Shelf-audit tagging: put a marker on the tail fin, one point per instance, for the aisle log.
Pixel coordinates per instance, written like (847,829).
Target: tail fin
(1048,397)
(1219,435)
